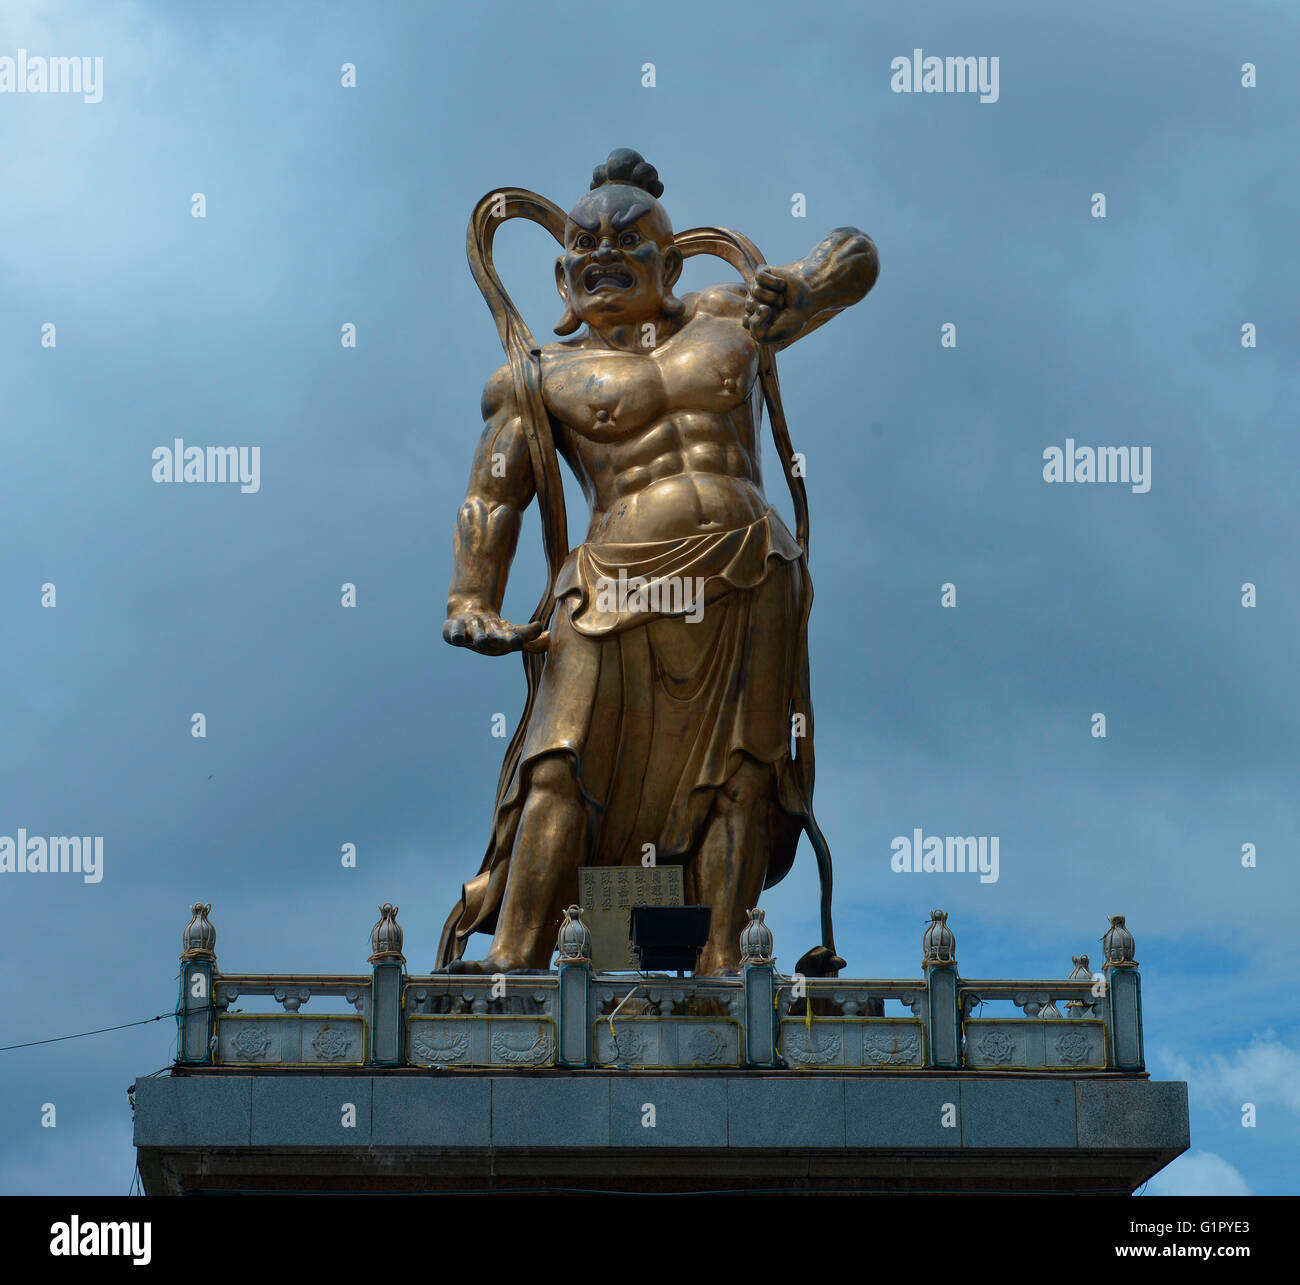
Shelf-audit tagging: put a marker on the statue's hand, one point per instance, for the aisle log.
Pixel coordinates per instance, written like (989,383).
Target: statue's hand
(777,306)
(483,630)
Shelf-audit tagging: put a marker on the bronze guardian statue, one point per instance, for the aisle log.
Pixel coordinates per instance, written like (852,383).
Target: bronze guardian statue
(667,661)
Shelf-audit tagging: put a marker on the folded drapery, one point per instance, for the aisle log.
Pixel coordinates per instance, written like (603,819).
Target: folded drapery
(657,703)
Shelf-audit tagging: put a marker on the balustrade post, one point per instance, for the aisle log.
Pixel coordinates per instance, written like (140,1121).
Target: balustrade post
(387,990)
(942,1008)
(1124,991)
(573,942)
(195,1006)
(758,967)
(1081,972)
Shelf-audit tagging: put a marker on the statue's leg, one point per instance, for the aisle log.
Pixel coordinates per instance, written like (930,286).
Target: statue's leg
(731,864)
(550,846)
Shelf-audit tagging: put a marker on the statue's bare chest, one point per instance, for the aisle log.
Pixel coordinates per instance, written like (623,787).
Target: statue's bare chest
(604,395)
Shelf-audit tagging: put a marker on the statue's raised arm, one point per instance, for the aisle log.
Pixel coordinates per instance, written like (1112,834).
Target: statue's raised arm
(786,303)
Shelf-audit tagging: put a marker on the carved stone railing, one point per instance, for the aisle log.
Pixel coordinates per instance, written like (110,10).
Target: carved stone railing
(1044,1038)
(840,1025)
(574,1017)
(462,1020)
(662,1022)
(294,1037)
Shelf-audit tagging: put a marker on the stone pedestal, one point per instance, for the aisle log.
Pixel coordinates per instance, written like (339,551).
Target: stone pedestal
(213,1130)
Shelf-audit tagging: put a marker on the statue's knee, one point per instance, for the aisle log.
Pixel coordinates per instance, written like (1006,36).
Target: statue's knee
(552,778)
(746,787)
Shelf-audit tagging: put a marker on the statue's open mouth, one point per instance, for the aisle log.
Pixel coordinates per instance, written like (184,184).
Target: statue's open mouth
(602,277)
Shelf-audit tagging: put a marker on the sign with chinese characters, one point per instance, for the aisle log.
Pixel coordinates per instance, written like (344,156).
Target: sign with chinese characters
(607,895)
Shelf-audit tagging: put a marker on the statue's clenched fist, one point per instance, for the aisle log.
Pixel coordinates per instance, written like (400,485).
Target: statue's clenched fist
(483,630)
(777,305)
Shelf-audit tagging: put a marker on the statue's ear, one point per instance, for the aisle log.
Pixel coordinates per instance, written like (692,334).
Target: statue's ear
(672,270)
(673,263)
(568,323)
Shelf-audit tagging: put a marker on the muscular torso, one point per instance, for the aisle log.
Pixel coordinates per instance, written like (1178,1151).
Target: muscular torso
(665,442)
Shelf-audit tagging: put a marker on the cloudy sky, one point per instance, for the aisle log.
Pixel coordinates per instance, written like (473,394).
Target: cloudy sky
(327,726)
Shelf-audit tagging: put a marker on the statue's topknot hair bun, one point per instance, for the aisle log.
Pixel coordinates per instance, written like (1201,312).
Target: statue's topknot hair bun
(626,166)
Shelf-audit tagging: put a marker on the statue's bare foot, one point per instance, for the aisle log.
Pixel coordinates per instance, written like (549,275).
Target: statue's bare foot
(474,967)
(488,967)
(819,962)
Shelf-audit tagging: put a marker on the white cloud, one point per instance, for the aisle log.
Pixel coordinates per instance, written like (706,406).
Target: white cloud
(1198,1173)
(1265,1072)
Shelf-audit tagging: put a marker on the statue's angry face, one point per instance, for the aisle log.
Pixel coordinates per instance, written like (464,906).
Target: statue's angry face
(619,262)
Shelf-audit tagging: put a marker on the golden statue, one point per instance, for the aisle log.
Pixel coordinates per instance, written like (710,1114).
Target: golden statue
(667,661)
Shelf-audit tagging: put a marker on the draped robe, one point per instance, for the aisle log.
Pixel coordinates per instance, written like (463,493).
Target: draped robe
(656,709)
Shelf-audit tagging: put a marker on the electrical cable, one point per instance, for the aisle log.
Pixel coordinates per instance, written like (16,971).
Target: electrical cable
(4,1048)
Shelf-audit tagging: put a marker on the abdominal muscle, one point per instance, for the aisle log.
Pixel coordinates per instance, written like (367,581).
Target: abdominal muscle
(699,485)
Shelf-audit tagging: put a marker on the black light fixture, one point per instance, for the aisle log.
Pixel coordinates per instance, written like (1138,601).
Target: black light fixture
(667,937)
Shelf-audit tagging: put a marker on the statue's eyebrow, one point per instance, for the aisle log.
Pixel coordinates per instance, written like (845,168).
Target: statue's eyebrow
(630,215)
(586,221)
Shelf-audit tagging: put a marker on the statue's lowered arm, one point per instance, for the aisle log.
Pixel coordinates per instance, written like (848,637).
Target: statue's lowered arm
(487,529)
